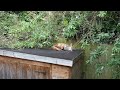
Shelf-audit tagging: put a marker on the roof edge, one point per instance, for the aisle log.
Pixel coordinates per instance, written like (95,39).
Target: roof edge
(32,57)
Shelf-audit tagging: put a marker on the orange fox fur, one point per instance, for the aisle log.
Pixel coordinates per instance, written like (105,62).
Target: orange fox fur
(62,46)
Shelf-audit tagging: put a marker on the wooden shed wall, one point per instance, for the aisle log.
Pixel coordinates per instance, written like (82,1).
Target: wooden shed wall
(14,68)
(61,72)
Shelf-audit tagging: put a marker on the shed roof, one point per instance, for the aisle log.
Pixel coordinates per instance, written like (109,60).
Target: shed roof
(44,55)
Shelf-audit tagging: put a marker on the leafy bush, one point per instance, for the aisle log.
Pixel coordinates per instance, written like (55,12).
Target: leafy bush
(38,29)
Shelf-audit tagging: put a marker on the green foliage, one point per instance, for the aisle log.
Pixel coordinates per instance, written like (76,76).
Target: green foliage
(71,28)
(95,57)
(97,53)
(102,13)
(32,32)
(99,68)
(115,59)
(38,29)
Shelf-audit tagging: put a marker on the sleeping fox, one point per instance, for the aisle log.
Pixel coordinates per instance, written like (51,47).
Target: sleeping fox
(62,46)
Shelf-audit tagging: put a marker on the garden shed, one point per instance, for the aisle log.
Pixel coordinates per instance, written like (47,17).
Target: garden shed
(40,64)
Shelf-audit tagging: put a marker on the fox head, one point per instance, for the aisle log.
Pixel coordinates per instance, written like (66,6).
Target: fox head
(68,47)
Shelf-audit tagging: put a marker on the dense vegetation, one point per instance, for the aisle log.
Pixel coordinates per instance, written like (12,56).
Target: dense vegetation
(41,29)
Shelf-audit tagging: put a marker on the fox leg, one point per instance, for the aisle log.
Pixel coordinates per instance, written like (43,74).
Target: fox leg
(56,48)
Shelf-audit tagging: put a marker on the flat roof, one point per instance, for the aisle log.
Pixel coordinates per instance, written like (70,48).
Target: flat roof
(44,55)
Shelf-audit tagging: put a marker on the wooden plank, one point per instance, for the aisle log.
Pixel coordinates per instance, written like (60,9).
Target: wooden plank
(35,69)
(1,52)
(37,58)
(4,58)
(4,68)
(40,72)
(7,70)
(64,62)
(13,70)
(48,71)
(24,71)
(8,53)
(18,55)
(28,56)
(45,59)
(60,72)
(29,71)
(1,70)
(19,72)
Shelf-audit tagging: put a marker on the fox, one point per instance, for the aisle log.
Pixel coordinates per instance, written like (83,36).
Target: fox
(62,46)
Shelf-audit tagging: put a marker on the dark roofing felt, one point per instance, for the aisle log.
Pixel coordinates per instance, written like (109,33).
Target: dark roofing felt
(70,55)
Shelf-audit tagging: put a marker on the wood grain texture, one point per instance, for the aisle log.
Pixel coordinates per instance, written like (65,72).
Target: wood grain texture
(14,68)
(60,72)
